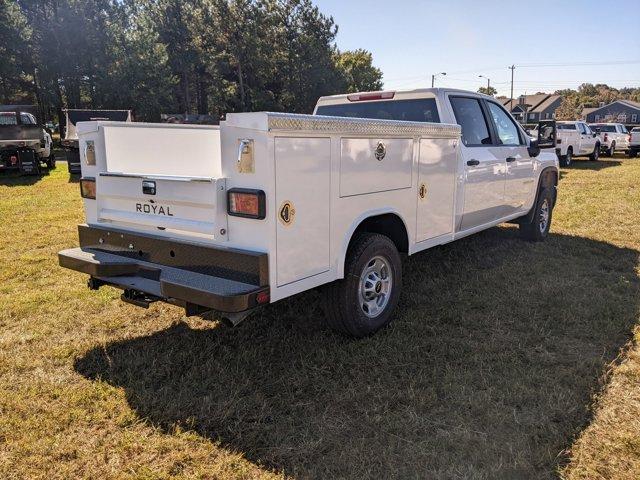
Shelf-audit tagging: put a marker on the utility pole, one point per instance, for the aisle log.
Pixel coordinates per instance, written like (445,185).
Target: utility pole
(512,68)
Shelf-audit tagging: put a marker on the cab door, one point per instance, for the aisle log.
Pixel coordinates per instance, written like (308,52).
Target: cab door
(511,146)
(484,165)
(587,140)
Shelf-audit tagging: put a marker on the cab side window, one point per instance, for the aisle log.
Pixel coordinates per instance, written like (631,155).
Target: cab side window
(469,115)
(508,133)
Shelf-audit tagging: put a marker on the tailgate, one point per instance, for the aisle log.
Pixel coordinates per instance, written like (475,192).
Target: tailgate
(186,205)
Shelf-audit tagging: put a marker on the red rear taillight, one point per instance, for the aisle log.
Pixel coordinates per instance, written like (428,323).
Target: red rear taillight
(88,188)
(13,159)
(263,297)
(361,97)
(248,203)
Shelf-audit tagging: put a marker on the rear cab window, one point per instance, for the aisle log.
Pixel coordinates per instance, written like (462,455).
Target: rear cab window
(470,116)
(566,126)
(415,110)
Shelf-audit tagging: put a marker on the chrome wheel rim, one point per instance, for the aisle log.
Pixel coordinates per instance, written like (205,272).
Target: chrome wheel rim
(376,282)
(544,216)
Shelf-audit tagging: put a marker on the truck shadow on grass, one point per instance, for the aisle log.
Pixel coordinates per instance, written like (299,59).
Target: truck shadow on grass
(16,179)
(487,372)
(597,166)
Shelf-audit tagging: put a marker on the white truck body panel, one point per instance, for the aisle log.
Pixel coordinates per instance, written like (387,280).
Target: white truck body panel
(329,169)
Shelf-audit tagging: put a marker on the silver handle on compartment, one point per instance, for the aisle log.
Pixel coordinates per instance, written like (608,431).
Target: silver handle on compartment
(243,147)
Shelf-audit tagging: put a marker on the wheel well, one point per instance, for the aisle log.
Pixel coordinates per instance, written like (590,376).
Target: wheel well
(548,178)
(389,225)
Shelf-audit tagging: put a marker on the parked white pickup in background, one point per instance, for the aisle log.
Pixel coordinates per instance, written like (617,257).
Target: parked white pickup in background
(613,137)
(576,139)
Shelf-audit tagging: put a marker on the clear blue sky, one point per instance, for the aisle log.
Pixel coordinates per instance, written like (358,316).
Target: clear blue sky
(411,39)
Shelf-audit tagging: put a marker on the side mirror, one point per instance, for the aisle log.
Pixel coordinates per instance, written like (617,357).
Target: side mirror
(533,148)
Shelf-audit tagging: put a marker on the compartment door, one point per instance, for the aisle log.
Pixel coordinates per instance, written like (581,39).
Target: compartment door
(436,188)
(370,165)
(303,185)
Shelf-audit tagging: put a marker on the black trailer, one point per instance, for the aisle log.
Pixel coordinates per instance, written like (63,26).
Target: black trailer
(70,138)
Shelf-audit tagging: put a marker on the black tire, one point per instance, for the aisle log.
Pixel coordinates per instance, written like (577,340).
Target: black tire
(632,153)
(595,155)
(565,160)
(611,150)
(51,162)
(535,230)
(345,302)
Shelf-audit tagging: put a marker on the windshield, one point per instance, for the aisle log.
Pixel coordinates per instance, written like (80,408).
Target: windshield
(605,128)
(419,110)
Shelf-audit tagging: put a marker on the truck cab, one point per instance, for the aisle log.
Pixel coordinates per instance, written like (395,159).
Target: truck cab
(496,161)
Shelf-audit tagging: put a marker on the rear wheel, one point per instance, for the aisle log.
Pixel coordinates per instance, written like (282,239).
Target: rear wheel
(537,229)
(565,160)
(632,153)
(595,155)
(611,150)
(51,161)
(364,300)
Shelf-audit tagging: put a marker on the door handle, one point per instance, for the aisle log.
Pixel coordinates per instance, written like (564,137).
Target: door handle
(511,159)
(473,163)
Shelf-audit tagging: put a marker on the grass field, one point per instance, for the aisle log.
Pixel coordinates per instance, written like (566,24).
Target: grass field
(506,360)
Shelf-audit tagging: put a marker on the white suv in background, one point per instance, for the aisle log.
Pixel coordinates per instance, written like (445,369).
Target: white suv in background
(613,137)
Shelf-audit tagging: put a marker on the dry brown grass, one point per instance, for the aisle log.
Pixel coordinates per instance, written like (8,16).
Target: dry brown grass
(501,362)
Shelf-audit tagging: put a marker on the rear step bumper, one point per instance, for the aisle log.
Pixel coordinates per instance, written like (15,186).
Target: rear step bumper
(196,277)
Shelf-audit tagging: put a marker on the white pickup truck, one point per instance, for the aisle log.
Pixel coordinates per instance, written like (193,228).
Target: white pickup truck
(272,204)
(634,142)
(576,139)
(613,137)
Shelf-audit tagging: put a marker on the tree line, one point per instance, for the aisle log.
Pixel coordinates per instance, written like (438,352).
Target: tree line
(173,56)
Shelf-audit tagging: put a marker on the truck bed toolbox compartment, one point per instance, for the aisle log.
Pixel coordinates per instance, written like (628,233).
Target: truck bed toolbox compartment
(228,280)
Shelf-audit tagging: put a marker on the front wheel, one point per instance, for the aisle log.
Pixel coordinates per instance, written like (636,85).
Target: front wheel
(364,300)
(565,160)
(537,229)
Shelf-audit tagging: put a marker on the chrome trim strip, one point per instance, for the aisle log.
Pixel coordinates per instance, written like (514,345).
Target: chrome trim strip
(157,177)
(364,126)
